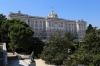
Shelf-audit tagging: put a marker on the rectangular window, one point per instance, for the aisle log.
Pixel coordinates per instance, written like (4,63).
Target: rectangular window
(61,24)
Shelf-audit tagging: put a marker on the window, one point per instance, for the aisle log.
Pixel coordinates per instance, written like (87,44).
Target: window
(61,24)
(55,24)
(84,26)
(40,33)
(36,33)
(36,26)
(49,24)
(79,25)
(66,25)
(40,25)
(52,25)
(28,20)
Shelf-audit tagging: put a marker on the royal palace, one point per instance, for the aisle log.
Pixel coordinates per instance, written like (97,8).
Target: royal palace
(43,27)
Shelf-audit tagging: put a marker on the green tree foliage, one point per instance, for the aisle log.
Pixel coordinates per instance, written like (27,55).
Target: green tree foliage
(88,52)
(89,29)
(17,33)
(20,34)
(38,46)
(2,19)
(4,30)
(56,48)
(69,36)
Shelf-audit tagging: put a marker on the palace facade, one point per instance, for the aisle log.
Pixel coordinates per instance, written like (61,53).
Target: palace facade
(45,26)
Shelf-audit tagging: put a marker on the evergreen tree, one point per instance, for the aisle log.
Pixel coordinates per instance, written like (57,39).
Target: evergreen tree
(2,19)
(20,34)
(56,49)
(17,33)
(89,29)
(88,53)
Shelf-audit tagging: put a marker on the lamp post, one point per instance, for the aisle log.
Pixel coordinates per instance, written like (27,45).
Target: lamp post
(68,58)
(68,54)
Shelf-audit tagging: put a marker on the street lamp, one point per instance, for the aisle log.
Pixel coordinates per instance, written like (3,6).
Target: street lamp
(68,51)
(68,54)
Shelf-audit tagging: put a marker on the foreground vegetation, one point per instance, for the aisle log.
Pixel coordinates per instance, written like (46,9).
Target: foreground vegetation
(56,48)
(85,52)
(88,52)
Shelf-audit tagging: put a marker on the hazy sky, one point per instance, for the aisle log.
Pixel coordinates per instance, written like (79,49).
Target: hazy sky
(88,10)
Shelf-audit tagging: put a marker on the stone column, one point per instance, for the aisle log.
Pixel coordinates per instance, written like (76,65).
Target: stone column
(42,24)
(46,25)
(51,26)
(73,27)
(77,27)
(30,23)
(83,26)
(80,27)
(38,25)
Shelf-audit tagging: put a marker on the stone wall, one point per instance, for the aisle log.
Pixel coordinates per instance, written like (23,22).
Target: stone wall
(3,55)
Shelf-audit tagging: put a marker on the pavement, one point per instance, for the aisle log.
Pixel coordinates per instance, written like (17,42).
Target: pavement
(38,62)
(24,60)
(13,60)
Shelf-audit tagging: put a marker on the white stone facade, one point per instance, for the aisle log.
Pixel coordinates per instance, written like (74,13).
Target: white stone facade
(45,26)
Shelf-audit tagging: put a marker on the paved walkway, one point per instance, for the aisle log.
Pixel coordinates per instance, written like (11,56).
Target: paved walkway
(38,62)
(14,61)
(25,61)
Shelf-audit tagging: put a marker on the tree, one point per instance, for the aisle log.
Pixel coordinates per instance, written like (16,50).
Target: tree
(88,51)
(56,49)
(20,34)
(69,36)
(2,18)
(13,46)
(38,46)
(4,30)
(15,32)
(89,29)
